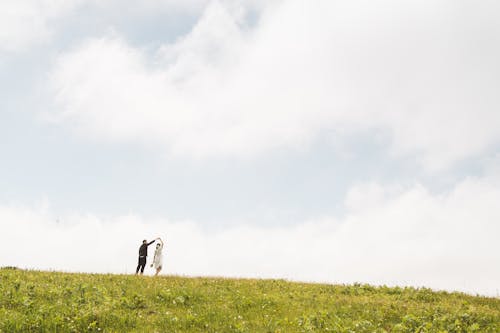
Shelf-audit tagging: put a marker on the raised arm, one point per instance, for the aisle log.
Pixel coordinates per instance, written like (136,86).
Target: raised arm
(161,242)
(151,242)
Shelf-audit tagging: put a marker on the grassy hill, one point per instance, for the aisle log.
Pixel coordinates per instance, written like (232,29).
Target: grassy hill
(33,301)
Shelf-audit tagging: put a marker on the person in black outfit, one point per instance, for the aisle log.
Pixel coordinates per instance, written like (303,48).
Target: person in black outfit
(143,253)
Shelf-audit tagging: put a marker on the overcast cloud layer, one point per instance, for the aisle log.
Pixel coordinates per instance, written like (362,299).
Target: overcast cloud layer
(424,73)
(97,94)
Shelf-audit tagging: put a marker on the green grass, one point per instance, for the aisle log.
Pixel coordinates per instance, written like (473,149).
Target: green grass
(32,301)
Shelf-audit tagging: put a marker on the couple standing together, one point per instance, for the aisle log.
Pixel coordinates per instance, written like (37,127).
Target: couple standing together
(143,254)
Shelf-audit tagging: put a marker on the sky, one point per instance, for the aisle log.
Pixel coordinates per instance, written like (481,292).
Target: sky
(323,141)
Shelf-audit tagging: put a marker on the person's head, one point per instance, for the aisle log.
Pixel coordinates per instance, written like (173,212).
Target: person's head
(144,241)
(158,245)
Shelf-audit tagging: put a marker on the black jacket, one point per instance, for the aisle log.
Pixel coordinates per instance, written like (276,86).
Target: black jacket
(143,250)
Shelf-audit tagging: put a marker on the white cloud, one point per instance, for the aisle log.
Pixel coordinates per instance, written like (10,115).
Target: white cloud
(194,6)
(27,22)
(397,237)
(425,72)
(24,23)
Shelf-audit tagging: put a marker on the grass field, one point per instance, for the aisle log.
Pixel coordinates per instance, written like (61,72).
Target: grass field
(32,301)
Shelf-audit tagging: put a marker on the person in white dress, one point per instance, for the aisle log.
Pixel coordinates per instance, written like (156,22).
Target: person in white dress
(158,258)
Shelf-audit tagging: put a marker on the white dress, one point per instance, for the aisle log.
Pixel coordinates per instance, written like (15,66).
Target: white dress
(158,258)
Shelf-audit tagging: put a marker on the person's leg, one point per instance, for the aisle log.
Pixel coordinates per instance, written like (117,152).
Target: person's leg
(143,264)
(138,266)
(158,270)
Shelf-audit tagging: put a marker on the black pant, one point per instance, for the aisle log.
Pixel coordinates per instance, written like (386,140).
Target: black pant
(141,265)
